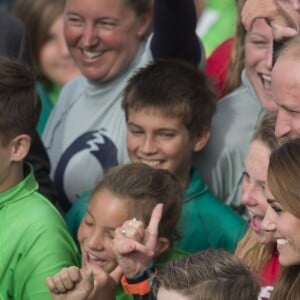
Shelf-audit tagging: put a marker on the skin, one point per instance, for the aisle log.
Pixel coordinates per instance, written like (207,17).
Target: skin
(164,294)
(253,188)
(161,142)
(103,36)
(258,62)
(285,86)
(285,227)
(104,214)
(279,14)
(11,166)
(55,60)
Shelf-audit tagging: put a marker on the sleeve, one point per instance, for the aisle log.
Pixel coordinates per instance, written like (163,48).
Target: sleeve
(39,159)
(48,249)
(174,36)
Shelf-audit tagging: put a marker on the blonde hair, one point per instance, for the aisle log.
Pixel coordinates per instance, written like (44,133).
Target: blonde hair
(252,252)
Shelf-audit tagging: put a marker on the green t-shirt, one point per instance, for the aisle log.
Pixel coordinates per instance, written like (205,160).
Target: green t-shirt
(34,242)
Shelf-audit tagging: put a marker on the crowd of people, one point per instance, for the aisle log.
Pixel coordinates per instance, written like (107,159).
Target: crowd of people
(136,164)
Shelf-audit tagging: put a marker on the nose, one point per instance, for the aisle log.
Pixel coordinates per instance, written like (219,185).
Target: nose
(89,36)
(248,197)
(148,145)
(268,61)
(295,4)
(283,123)
(95,241)
(268,221)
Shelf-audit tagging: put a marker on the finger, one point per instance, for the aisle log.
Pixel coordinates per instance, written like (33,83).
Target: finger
(152,229)
(116,274)
(59,286)
(87,281)
(126,246)
(133,232)
(74,273)
(51,285)
(65,277)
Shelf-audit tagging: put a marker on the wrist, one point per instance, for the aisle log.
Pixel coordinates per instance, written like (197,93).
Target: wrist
(141,283)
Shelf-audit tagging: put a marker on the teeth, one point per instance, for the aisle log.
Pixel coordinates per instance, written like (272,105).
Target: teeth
(266,77)
(91,54)
(151,163)
(281,242)
(92,257)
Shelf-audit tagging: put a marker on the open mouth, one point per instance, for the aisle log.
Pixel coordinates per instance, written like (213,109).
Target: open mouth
(92,54)
(94,260)
(281,242)
(266,80)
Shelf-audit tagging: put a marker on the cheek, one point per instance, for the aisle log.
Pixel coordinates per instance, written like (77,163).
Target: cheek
(82,233)
(47,55)
(71,34)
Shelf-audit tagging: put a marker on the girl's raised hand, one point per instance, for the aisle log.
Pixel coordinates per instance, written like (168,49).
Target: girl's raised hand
(134,245)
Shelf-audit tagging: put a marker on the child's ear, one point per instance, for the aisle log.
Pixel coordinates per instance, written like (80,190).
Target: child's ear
(201,140)
(20,146)
(162,245)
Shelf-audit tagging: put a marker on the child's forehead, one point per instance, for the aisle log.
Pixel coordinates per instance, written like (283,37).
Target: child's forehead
(155,112)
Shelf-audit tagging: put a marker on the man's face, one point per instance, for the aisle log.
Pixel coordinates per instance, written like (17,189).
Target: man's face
(286,92)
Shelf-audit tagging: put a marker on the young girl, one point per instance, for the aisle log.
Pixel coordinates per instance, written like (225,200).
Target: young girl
(126,192)
(50,56)
(283,216)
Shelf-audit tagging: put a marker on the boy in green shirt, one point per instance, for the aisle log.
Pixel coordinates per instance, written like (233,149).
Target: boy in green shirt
(34,241)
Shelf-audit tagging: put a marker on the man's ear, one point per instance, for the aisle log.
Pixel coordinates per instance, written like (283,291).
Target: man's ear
(162,245)
(20,146)
(201,140)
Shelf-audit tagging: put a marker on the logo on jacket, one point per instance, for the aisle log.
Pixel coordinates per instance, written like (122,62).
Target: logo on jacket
(83,164)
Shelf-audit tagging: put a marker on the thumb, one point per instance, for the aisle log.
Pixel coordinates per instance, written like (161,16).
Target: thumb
(116,274)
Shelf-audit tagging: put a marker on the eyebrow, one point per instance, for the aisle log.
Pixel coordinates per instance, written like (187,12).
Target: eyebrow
(271,201)
(90,214)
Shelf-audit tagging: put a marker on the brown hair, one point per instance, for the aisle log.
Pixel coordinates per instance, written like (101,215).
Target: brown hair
(283,182)
(237,59)
(145,187)
(19,102)
(209,274)
(252,252)
(38,17)
(175,89)
(140,6)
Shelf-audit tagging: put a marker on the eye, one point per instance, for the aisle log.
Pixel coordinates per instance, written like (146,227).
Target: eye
(88,220)
(246,176)
(110,234)
(166,134)
(277,209)
(135,130)
(107,23)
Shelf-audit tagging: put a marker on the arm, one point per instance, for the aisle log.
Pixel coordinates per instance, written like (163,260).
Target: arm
(174,23)
(283,26)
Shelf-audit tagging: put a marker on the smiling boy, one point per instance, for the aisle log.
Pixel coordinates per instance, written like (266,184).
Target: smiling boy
(168,107)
